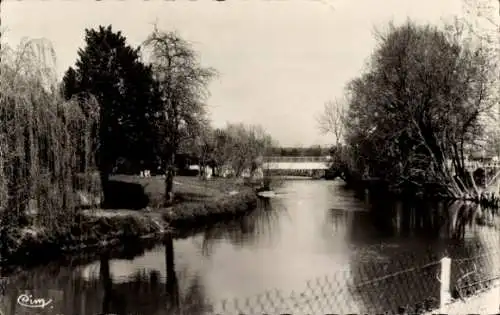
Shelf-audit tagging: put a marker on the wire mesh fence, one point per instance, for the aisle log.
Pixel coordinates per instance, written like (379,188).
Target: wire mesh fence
(395,293)
(475,274)
(414,290)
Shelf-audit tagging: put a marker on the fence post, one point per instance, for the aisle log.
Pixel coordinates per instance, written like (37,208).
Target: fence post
(445,296)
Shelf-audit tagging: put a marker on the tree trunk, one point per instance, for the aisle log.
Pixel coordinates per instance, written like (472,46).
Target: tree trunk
(105,165)
(201,164)
(104,176)
(169,180)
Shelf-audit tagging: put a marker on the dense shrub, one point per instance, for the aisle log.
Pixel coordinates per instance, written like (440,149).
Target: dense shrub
(126,195)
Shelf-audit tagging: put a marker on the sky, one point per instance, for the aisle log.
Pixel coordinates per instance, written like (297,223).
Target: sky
(279,61)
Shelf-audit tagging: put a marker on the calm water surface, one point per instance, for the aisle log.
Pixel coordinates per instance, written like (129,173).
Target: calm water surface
(314,231)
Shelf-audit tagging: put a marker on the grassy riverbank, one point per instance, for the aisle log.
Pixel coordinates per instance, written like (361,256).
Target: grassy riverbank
(197,203)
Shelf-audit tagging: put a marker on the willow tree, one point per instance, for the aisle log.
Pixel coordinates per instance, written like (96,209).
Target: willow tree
(419,105)
(40,136)
(183,86)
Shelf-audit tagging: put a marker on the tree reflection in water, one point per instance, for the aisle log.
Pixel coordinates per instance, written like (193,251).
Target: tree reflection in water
(437,229)
(262,222)
(142,293)
(107,283)
(172,286)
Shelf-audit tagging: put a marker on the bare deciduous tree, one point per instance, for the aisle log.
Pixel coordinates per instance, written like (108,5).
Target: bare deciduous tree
(183,85)
(420,104)
(332,120)
(243,146)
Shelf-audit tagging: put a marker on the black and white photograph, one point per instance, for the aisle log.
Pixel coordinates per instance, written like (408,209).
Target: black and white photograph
(249,157)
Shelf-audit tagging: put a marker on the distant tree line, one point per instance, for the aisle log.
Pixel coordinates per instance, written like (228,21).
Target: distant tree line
(300,151)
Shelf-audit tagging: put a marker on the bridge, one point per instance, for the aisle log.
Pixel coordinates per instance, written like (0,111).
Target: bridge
(312,166)
(317,165)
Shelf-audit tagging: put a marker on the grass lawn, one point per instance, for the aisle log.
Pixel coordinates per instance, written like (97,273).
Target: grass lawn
(195,200)
(186,188)
(190,194)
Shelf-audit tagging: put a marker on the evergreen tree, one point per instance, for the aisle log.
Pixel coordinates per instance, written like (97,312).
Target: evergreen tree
(112,72)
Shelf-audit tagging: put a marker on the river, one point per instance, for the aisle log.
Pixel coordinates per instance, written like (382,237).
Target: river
(315,248)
